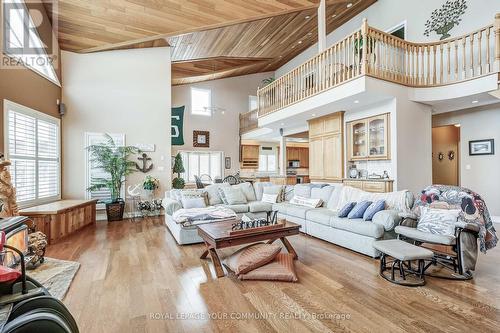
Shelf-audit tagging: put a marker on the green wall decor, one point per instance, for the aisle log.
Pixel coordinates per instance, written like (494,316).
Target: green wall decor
(178,126)
(445,18)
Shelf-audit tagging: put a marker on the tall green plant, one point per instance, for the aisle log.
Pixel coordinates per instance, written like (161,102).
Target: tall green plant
(178,182)
(113,160)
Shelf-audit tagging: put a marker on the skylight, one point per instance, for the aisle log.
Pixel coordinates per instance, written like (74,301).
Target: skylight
(21,28)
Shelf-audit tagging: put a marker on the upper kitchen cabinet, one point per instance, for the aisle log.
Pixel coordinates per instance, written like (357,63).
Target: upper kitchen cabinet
(368,138)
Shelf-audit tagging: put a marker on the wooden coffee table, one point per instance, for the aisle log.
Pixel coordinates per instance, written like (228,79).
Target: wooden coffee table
(216,236)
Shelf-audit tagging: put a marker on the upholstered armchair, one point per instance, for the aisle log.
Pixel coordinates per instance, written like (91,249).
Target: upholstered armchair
(473,223)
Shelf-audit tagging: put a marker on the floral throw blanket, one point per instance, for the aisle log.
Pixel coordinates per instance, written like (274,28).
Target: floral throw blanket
(472,206)
(196,216)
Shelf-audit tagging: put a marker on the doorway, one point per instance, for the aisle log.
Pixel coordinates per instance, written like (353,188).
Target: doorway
(445,155)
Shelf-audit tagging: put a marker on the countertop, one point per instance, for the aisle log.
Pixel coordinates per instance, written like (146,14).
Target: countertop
(369,179)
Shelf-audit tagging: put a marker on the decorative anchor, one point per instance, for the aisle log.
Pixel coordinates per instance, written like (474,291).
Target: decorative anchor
(144,160)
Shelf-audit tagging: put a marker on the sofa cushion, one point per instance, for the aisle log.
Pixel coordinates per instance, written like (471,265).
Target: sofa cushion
(188,203)
(358,210)
(232,196)
(323,193)
(413,233)
(280,269)
(374,208)
(248,191)
(389,219)
(259,206)
(259,189)
(238,209)
(189,194)
(214,197)
(358,226)
(333,201)
(252,256)
(320,215)
(275,190)
(302,190)
(290,209)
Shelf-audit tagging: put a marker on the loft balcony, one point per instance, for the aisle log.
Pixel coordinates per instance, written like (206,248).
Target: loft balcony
(422,66)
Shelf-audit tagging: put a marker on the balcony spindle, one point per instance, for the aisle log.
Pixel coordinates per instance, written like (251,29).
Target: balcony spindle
(464,65)
(488,65)
(479,54)
(472,55)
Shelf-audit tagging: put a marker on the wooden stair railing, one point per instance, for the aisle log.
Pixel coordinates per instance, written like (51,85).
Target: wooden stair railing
(389,58)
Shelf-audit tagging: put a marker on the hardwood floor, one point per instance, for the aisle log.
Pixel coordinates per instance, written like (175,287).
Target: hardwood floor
(135,278)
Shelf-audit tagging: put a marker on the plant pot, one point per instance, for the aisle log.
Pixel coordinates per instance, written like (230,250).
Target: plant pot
(148,194)
(114,210)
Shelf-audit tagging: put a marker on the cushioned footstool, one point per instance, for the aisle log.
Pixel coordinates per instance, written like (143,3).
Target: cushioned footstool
(403,255)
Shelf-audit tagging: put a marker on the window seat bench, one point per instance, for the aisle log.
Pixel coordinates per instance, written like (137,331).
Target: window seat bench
(62,218)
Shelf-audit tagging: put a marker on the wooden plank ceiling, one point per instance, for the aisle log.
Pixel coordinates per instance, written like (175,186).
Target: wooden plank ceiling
(210,39)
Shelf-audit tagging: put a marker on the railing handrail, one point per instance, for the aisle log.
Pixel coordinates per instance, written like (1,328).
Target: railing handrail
(370,51)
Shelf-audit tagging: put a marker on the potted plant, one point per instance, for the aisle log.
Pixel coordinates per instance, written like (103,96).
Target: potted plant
(178,182)
(149,185)
(115,161)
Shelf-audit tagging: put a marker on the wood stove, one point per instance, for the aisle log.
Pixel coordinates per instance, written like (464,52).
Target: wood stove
(16,235)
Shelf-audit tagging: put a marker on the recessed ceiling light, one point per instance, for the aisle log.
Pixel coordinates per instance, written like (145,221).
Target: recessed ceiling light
(349,5)
(300,42)
(308,17)
(475,101)
(314,115)
(356,102)
(457,125)
(334,15)
(282,124)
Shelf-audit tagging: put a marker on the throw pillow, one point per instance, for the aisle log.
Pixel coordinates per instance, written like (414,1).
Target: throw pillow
(358,210)
(188,203)
(247,190)
(280,269)
(269,198)
(251,257)
(374,208)
(322,193)
(302,190)
(214,197)
(307,202)
(344,211)
(275,189)
(233,196)
(195,194)
(438,221)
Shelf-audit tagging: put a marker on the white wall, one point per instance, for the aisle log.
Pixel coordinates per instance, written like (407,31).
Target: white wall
(386,14)
(230,94)
(479,173)
(126,91)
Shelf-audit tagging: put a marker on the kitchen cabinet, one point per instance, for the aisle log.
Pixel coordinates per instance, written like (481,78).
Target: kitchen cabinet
(300,154)
(368,138)
(370,185)
(326,152)
(249,157)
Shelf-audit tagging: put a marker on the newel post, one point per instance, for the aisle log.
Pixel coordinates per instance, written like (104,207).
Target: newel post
(497,42)
(364,50)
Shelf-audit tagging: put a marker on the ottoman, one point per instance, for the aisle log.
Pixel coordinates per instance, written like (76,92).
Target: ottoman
(404,257)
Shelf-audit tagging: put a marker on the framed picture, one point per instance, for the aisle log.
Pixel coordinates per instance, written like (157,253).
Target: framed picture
(227,162)
(482,147)
(201,139)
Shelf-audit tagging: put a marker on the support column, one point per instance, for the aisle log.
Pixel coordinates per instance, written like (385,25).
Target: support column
(322,26)
(496,28)
(282,157)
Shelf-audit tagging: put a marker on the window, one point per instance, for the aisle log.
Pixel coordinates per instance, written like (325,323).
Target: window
(17,27)
(252,103)
(198,163)
(32,141)
(201,101)
(102,195)
(267,159)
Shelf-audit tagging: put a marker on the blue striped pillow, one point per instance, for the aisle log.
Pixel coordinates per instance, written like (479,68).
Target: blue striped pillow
(358,210)
(374,208)
(346,209)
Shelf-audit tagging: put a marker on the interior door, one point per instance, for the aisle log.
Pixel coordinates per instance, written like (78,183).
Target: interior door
(445,155)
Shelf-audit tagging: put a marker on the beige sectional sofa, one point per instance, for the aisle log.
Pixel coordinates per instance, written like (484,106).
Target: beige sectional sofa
(322,222)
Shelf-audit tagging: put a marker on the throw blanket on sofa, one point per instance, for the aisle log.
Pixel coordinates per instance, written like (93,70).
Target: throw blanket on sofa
(196,216)
(472,206)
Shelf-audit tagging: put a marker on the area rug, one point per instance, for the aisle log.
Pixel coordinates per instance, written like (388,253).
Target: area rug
(55,275)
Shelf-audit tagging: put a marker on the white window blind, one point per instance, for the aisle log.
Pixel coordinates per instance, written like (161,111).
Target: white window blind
(201,101)
(33,147)
(267,159)
(198,163)
(104,194)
